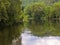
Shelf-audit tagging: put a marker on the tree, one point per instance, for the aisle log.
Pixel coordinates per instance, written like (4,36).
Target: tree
(56,11)
(35,11)
(10,12)
(48,2)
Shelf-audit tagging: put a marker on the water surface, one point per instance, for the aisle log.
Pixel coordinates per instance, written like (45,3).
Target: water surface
(29,39)
(31,33)
(47,33)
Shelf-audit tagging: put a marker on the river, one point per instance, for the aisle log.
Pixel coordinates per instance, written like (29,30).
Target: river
(35,33)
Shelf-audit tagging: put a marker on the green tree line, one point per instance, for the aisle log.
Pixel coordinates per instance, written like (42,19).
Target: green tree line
(10,12)
(40,11)
(26,2)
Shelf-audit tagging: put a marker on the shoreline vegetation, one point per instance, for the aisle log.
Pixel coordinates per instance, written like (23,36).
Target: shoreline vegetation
(11,12)
(40,11)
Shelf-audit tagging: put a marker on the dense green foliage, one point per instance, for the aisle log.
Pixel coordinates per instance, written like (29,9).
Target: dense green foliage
(10,11)
(48,2)
(10,14)
(50,13)
(39,11)
(56,10)
(35,11)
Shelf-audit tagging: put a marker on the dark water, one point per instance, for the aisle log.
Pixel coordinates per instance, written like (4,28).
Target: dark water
(31,33)
(9,34)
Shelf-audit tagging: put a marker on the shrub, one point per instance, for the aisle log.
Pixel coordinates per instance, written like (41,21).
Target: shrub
(56,10)
(35,11)
(10,12)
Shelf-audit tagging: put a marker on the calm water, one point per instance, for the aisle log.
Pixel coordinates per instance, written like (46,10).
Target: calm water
(28,39)
(47,33)
(32,33)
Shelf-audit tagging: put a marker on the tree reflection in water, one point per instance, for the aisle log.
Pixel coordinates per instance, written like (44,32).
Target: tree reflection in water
(44,29)
(32,33)
(47,33)
(7,34)
(28,39)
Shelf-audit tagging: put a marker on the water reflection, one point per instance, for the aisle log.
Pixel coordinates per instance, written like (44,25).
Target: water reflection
(7,34)
(31,33)
(44,29)
(38,33)
(29,39)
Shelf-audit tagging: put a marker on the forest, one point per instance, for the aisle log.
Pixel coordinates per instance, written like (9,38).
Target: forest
(37,15)
(13,12)
(41,10)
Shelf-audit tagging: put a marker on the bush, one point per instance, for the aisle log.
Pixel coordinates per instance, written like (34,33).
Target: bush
(10,12)
(56,10)
(39,11)
(35,11)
